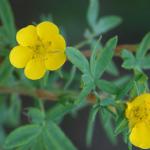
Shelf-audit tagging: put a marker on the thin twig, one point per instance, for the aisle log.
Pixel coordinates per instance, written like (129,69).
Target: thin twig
(118,50)
(43,94)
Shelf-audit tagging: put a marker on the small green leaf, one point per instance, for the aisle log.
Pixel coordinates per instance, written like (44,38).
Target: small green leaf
(90,127)
(122,80)
(112,69)
(105,58)
(140,84)
(144,47)
(107,86)
(85,91)
(22,136)
(107,23)
(92,13)
(129,60)
(36,115)
(6,71)
(7,18)
(55,139)
(107,102)
(77,59)
(3,109)
(125,89)
(96,48)
(14,110)
(145,62)
(86,79)
(57,112)
(121,126)
(38,144)
(106,121)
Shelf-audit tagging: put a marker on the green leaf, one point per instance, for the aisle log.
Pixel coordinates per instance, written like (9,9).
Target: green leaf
(140,84)
(140,79)
(90,127)
(112,69)
(125,89)
(6,71)
(105,58)
(107,23)
(107,86)
(55,139)
(7,18)
(36,115)
(92,13)
(38,144)
(22,136)
(121,126)
(57,112)
(86,79)
(122,80)
(14,110)
(106,121)
(78,59)
(145,62)
(107,102)
(129,60)
(3,109)
(96,48)
(85,91)
(144,47)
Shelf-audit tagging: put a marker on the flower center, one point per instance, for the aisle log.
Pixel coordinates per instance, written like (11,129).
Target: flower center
(41,49)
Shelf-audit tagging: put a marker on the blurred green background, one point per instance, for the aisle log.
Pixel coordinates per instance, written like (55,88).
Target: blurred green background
(71,16)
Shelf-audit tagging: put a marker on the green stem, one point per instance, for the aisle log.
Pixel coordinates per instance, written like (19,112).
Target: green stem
(73,72)
(84,42)
(40,104)
(97,97)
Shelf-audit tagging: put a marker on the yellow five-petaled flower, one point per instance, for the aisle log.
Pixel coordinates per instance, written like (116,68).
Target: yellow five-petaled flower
(40,48)
(138,115)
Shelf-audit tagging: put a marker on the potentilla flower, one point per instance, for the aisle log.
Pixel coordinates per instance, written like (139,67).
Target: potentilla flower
(138,115)
(40,48)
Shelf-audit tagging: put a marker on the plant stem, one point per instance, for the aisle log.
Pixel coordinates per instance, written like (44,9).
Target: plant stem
(41,104)
(84,42)
(73,72)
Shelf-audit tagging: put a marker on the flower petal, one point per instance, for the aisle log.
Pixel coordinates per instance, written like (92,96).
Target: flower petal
(140,135)
(27,36)
(58,43)
(46,30)
(55,60)
(35,69)
(19,56)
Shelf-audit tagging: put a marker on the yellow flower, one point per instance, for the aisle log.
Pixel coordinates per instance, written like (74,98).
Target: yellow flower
(138,115)
(40,48)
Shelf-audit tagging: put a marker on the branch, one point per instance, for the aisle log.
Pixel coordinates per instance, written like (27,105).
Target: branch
(43,94)
(118,49)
